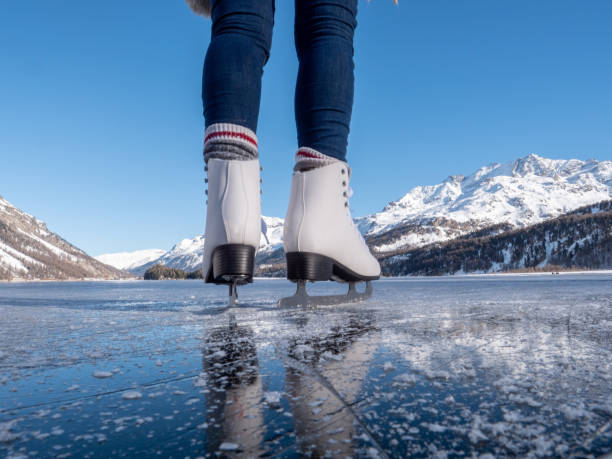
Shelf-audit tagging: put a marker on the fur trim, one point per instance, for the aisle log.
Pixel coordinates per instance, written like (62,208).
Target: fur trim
(201,7)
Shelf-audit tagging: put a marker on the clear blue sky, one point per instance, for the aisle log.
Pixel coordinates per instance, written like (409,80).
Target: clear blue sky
(100,110)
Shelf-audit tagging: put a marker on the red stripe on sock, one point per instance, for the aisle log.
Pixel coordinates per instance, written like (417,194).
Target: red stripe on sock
(240,135)
(308,154)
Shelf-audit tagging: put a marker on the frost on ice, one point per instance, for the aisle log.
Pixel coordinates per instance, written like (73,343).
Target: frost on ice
(473,366)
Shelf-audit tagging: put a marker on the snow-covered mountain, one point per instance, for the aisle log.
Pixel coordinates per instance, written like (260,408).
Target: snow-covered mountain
(579,239)
(517,193)
(28,250)
(187,254)
(129,260)
(495,198)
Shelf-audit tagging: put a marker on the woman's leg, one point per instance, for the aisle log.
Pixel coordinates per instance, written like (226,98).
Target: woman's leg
(231,85)
(239,48)
(231,91)
(324,32)
(320,239)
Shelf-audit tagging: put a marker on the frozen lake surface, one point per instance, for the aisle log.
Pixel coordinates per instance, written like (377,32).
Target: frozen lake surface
(442,367)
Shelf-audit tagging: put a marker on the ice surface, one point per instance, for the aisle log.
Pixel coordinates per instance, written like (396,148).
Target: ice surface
(489,366)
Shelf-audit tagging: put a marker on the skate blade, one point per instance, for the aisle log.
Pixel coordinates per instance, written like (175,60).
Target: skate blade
(301,297)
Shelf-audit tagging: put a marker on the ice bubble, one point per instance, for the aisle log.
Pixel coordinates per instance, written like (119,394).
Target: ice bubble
(272,397)
(102,374)
(435,427)
(227,446)
(131,395)
(405,379)
(200,380)
(441,374)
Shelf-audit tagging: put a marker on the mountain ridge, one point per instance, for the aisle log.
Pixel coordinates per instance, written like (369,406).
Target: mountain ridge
(496,197)
(30,251)
(581,238)
(520,192)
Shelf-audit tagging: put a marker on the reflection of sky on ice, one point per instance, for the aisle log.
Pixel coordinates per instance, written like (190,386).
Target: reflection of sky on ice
(511,365)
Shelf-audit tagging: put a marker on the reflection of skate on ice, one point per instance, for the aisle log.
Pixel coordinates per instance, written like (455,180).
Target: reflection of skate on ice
(324,421)
(233,225)
(320,238)
(233,415)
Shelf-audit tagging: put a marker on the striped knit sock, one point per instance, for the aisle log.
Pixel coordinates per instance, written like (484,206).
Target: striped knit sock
(308,158)
(229,141)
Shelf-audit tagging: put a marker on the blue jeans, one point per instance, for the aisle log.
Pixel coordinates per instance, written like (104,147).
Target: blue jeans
(240,47)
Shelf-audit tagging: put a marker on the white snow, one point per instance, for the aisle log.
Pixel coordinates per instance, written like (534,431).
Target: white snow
(128,260)
(9,261)
(273,238)
(56,250)
(522,192)
(187,254)
(6,249)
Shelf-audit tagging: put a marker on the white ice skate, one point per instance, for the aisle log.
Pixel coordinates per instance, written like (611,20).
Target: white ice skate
(321,240)
(233,225)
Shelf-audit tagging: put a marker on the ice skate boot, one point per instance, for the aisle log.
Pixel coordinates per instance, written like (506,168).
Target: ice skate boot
(233,225)
(320,238)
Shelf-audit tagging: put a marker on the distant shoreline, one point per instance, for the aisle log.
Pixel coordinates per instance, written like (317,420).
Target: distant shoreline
(446,276)
(28,281)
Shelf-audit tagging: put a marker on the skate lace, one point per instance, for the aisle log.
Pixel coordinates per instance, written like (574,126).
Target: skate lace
(206,182)
(348,194)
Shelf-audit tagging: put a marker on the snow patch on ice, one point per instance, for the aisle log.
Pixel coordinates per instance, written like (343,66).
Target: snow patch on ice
(102,374)
(6,431)
(228,446)
(131,395)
